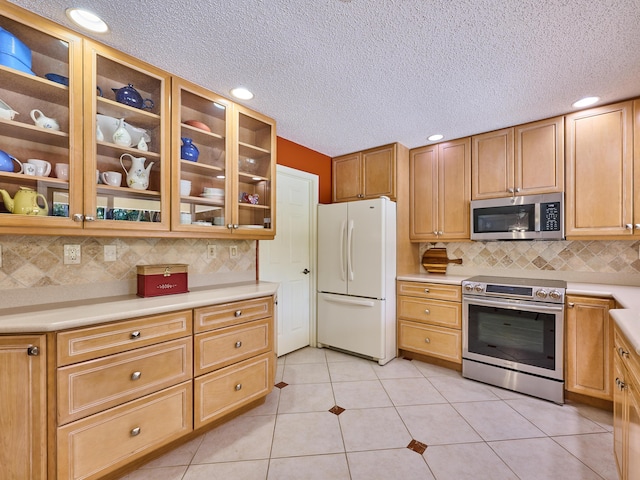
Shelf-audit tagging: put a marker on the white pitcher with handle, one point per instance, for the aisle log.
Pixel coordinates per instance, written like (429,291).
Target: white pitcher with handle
(138,174)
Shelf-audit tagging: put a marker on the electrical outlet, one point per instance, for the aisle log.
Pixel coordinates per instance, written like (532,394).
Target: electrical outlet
(72,254)
(211,252)
(233,251)
(110,253)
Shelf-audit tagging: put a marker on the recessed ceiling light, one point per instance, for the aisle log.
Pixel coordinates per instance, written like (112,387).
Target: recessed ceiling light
(219,176)
(241,93)
(435,138)
(87,19)
(585,102)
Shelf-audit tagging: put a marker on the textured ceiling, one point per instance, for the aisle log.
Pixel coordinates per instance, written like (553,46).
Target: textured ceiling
(340,76)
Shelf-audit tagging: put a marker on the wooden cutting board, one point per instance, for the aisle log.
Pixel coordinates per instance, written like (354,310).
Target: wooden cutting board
(435,260)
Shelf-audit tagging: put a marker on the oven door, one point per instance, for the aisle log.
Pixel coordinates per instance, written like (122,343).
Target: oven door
(515,334)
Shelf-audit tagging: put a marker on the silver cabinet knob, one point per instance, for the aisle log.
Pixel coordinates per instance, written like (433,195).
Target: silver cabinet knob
(427,340)
(230,226)
(238,387)
(89,218)
(637,226)
(236,226)
(426,290)
(33,351)
(135,334)
(237,313)
(77,217)
(628,226)
(510,190)
(427,312)
(135,431)
(518,189)
(571,304)
(136,375)
(238,344)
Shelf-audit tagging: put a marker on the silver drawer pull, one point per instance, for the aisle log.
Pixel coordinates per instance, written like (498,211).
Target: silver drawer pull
(237,313)
(427,312)
(135,334)
(622,352)
(426,340)
(238,387)
(136,375)
(33,351)
(135,432)
(238,344)
(426,290)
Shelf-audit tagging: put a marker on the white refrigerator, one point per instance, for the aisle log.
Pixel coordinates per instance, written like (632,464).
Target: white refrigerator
(356,278)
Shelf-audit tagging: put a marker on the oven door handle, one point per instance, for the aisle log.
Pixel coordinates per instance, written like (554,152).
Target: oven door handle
(515,304)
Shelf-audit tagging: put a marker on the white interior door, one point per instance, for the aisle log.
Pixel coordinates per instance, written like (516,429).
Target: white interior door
(290,258)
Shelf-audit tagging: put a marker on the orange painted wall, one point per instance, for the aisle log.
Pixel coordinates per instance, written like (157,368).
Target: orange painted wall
(296,156)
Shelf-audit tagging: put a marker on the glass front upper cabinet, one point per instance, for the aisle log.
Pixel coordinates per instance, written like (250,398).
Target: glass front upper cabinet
(40,124)
(127,139)
(200,175)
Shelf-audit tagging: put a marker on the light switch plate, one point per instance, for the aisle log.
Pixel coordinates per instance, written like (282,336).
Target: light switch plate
(71,255)
(110,253)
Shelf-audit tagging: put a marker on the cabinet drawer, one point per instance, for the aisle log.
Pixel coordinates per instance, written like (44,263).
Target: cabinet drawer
(92,342)
(225,390)
(96,385)
(224,346)
(431,290)
(436,312)
(445,343)
(92,447)
(225,314)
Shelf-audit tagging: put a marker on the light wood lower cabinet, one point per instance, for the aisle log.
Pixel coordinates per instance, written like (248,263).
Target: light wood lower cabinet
(589,346)
(126,388)
(23,407)
(429,320)
(626,408)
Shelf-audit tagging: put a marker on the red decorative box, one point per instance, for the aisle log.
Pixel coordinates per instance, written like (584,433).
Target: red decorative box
(156,280)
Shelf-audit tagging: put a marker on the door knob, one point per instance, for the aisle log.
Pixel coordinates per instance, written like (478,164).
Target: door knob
(306,271)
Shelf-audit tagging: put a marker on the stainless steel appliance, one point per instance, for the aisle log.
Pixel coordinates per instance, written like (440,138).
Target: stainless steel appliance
(513,334)
(526,217)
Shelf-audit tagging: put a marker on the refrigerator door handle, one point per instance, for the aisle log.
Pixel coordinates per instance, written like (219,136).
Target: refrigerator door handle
(349,250)
(350,301)
(343,268)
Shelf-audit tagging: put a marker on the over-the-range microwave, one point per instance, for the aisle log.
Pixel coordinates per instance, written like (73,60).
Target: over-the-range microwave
(526,217)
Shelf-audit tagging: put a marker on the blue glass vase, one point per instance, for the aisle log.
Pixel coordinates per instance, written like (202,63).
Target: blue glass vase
(188,151)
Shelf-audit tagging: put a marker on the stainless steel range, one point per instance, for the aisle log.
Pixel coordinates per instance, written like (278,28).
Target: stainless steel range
(513,334)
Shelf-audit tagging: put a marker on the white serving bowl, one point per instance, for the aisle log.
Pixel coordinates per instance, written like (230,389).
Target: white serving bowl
(108,125)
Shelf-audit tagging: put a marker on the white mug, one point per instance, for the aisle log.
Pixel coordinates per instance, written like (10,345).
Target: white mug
(185,188)
(29,169)
(43,168)
(111,178)
(62,171)
(185,217)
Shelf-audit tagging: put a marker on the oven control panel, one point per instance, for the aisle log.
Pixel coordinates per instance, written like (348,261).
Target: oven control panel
(549,291)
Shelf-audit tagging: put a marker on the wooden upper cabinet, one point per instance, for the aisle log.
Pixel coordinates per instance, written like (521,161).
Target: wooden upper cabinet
(636,168)
(492,164)
(363,175)
(599,197)
(523,160)
(439,191)
(539,157)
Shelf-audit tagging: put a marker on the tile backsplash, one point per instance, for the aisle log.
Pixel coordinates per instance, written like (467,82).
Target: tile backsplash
(593,261)
(37,261)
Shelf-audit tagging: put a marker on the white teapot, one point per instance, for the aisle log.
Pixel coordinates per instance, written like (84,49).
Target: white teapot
(138,174)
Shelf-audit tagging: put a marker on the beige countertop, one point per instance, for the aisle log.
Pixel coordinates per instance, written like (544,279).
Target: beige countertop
(627,318)
(61,316)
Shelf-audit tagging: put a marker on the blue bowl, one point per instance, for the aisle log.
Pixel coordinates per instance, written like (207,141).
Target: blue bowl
(13,62)
(10,44)
(54,77)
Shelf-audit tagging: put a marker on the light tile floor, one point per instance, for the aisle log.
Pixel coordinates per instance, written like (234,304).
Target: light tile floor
(471,430)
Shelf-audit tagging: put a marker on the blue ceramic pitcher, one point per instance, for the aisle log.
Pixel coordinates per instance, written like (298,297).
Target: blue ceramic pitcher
(6,162)
(189,151)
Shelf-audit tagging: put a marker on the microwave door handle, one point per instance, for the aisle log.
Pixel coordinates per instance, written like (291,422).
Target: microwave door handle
(343,253)
(537,217)
(519,306)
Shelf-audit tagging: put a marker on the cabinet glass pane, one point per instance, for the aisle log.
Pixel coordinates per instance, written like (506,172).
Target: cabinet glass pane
(128,143)
(203,156)
(254,173)
(35,125)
